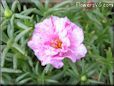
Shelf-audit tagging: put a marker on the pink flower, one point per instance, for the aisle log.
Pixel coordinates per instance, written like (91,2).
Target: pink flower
(55,39)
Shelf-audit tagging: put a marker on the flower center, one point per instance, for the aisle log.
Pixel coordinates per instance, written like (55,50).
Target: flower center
(56,43)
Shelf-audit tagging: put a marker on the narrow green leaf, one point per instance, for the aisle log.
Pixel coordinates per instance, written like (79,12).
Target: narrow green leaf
(98,13)
(46,3)
(38,4)
(57,76)
(8,70)
(14,5)
(37,18)
(25,7)
(91,67)
(23,42)
(95,81)
(4,23)
(17,47)
(11,33)
(3,56)
(21,76)
(74,68)
(22,16)
(111,79)
(14,62)
(3,37)
(100,74)
(5,5)
(19,6)
(30,61)
(72,73)
(9,56)
(1,48)
(2,81)
(24,81)
(2,11)
(28,11)
(21,25)
(22,33)
(37,68)
(63,3)
(91,72)
(51,81)
(38,12)
(94,19)
(109,54)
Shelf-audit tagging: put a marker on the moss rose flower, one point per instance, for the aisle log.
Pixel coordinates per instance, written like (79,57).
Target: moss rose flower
(55,39)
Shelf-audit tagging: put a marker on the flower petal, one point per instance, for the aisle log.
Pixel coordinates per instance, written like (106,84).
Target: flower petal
(57,63)
(81,51)
(77,34)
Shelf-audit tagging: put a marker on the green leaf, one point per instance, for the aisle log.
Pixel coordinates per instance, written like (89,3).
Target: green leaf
(46,3)
(51,81)
(91,72)
(21,25)
(22,16)
(38,12)
(22,33)
(101,74)
(37,68)
(57,75)
(14,62)
(3,37)
(95,81)
(94,19)
(38,4)
(72,74)
(98,13)
(30,61)
(74,68)
(11,33)
(109,55)
(22,76)
(24,7)
(5,5)
(3,56)
(4,24)
(24,81)
(63,3)
(91,67)
(111,79)
(2,81)
(28,11)
(14,5)
(17,47)
(8,70)
(1,11)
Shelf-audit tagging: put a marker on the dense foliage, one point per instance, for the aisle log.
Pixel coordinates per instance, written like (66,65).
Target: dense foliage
(18,62)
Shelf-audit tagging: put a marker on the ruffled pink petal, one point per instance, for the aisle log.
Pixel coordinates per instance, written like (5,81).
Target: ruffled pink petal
(81,51)
(45,61)
(70,55)
(57,63)
(77,35)
(77,54)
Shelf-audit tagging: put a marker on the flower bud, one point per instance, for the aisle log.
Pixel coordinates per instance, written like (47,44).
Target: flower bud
(83,78)
(7,13)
